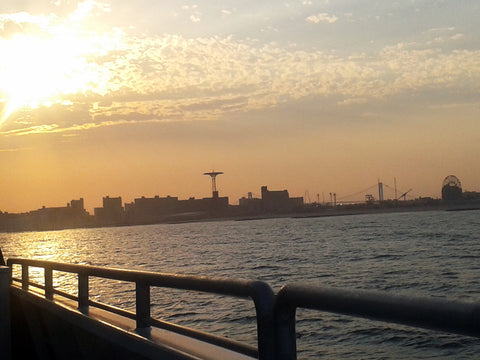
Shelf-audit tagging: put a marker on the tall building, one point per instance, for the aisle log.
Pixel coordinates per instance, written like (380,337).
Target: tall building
(111,213)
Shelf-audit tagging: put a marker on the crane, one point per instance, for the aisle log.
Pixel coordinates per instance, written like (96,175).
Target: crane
(404,195)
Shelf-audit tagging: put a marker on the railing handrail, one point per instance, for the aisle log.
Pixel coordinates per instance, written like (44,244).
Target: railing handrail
(428,313)
(221,286)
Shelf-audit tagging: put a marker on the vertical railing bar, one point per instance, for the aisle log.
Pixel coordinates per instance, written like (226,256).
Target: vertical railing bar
(142,304)
(285,333)
(48,272)
(2,259)
(25,277)
(264,300)
(83,290)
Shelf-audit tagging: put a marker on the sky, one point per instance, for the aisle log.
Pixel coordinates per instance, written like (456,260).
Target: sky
(140,98)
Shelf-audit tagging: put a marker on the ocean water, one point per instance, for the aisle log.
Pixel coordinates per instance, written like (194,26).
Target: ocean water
(432,253)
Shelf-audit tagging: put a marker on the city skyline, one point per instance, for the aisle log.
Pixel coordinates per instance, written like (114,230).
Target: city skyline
(129,99)
(388,191)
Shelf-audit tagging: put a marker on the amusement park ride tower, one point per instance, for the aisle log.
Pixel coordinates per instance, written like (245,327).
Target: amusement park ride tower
(213,175)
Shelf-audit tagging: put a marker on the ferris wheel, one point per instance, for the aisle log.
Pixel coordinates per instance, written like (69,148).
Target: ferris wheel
(453,181)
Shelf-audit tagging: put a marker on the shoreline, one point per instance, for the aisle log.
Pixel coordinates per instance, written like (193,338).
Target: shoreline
(340,210)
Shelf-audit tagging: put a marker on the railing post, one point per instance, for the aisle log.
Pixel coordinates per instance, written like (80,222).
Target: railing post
(2,260)
(264,299)
(25,277)
(48,283)
(5,314)
(285,334)
(142,302)
(83,301)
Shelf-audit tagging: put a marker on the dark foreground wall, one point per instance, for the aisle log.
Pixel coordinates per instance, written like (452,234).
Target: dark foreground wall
(44,330)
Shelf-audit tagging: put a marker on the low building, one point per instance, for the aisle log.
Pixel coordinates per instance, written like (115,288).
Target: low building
(278,201)
(250,204)
(158,209)
(48,218)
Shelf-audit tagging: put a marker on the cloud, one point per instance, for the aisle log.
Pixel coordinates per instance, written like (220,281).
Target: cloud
(322,17)
(174,78)
(196,15)
(441,30)
(354,101)
(22,22)
(16,149)
(87,8)
(195,18)
(457,37)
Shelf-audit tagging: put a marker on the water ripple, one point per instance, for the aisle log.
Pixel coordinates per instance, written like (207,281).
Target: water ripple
(423,254)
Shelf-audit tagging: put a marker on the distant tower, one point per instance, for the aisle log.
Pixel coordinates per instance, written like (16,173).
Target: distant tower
(213,175)
(380,191)
(395,182)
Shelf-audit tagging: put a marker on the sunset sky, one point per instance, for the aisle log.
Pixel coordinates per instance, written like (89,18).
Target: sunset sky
(140,98)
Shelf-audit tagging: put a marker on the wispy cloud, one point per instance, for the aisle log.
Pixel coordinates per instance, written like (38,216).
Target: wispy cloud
(322,18)
(441,30)
(15,149)
(195,14)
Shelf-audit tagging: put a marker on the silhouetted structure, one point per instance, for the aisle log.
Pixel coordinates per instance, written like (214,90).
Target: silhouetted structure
(157,209)
(451,189)
(170,209)
(48,218)
(250,204)
(380,191)
(111,213)
(279,201)
(213,175)
(471,195)
(271,202)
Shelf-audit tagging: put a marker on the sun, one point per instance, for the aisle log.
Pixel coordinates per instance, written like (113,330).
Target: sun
(40,70)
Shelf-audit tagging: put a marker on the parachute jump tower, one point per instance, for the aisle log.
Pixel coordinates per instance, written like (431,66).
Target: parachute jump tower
(213,175)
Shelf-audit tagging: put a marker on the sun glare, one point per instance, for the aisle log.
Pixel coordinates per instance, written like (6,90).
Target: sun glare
(42,70)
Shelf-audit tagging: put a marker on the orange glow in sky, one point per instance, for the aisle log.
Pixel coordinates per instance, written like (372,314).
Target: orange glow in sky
(141,98)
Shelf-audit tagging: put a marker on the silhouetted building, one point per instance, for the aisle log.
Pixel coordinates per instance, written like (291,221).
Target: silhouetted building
(471,195)
(275,201)
(279,201)
(250,204)
(157,209)
(150,210)
(77,205)
(111,213)
(48,218)
(271,202)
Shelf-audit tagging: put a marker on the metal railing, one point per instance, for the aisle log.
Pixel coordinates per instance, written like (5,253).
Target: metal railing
(275,313)
(436,314)
(261,294)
